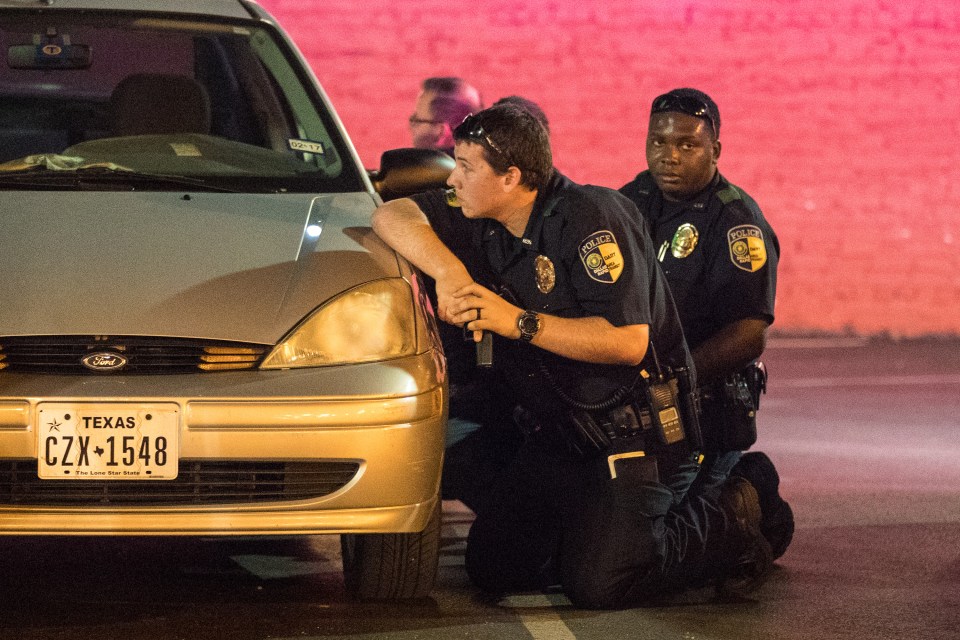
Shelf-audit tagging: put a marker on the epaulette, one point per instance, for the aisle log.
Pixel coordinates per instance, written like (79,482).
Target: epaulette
(729,194)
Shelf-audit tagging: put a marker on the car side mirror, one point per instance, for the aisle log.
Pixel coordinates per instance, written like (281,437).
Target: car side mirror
(404,172)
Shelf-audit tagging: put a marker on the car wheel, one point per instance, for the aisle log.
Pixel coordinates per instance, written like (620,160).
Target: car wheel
(392,566)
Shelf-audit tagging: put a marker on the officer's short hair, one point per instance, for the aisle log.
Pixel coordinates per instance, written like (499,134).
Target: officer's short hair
(454,88)
(691,102)
(529,105)
(511,137)
(443,84)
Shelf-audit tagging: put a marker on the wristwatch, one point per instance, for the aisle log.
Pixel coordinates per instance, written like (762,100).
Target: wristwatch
(529,325)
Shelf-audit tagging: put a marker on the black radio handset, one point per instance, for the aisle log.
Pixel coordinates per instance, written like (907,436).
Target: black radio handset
(485,350)
(485,345)
(664,405)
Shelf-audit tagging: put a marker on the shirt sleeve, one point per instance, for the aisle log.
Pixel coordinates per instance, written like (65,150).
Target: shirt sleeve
(459,233)
(743,266)
(608,257)
(439,214)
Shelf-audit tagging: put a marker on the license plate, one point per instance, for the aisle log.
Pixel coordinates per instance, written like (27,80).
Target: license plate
(107,441)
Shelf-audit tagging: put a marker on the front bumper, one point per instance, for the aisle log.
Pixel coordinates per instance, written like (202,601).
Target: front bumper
(387,417)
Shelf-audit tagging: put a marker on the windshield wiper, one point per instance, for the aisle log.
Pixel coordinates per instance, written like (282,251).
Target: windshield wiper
(126,175)
(40,169)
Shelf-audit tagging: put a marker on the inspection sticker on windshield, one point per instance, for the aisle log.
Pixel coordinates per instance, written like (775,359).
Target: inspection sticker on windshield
(306,146)
(186,149)
(107,441)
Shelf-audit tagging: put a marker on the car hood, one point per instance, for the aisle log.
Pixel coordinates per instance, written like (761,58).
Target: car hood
(245,267)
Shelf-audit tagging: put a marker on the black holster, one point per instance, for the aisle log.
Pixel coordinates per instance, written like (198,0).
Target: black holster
(728,409)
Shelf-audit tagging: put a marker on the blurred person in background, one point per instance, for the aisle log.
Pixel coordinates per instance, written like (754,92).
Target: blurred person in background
(442,104)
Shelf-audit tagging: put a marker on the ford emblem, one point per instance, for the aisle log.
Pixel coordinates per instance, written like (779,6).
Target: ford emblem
(104,361)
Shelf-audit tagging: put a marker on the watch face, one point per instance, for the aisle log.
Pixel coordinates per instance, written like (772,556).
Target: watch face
(529,325)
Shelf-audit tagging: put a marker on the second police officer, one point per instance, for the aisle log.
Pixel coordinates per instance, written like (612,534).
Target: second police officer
(720,257)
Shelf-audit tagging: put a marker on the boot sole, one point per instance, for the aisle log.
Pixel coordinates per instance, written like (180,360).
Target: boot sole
(778,527)
(749,575)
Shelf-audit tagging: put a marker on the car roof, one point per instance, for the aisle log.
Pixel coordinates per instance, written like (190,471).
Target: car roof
(219,8)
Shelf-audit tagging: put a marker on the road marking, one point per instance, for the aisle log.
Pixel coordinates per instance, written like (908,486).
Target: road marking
(868,381)
(815,343)
(451,559)
(268,567)
(545,624)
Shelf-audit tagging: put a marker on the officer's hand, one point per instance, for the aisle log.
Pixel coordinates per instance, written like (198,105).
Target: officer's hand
(447,285)
(480,309)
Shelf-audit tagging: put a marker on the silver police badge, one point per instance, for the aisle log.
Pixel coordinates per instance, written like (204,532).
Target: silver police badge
(684,240)
(546,276)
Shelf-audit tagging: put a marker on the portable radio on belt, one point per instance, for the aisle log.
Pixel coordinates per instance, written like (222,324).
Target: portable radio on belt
(665,411)
(663,396)
(622,423)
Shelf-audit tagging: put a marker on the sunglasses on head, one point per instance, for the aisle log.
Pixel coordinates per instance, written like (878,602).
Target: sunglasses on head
(684,104)
(472,129)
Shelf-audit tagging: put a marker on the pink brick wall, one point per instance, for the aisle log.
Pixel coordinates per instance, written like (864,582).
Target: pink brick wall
(840,117)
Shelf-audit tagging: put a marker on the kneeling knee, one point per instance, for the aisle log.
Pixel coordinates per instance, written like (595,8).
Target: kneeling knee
(590,592)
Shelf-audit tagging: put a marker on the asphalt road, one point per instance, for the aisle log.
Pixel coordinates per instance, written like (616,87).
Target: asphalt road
(865,435)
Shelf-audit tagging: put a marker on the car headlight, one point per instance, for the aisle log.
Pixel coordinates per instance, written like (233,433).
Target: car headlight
(374,321)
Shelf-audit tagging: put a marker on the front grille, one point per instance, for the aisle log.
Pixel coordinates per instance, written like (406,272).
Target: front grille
(66,355)
(218,482)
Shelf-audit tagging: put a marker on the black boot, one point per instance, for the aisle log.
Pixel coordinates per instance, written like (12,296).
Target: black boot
(746,558)
(777,523)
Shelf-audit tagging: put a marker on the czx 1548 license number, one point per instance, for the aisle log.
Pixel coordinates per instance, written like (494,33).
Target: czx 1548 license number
(104,441)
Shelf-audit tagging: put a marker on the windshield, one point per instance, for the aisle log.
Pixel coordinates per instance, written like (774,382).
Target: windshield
(221,103)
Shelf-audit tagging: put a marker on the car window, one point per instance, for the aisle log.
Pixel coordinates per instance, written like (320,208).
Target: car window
(120,98)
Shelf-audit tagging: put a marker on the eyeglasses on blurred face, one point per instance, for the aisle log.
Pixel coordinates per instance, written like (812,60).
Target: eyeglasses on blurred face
(416,121)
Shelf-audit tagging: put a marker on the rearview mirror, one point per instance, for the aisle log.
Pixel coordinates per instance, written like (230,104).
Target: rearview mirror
(52,55)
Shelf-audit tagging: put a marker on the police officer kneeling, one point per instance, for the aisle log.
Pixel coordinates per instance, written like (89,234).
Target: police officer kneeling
(588,344)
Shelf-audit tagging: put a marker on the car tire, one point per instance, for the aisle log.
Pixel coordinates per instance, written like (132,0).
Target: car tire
(392,566)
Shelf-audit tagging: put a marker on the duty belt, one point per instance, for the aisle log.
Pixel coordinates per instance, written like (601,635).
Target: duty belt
(661,414)
(586,433)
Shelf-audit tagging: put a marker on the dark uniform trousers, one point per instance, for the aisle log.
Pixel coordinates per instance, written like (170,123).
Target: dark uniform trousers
(556,518)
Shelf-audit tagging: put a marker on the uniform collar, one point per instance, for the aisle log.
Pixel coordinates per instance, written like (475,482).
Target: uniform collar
(665,209)
(503,247)
(543,207)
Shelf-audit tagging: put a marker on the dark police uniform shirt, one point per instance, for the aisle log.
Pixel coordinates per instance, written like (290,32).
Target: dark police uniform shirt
(582,254)
(718,253)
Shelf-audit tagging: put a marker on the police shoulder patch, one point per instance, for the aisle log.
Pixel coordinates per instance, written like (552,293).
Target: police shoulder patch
(747,249)
(600,255)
